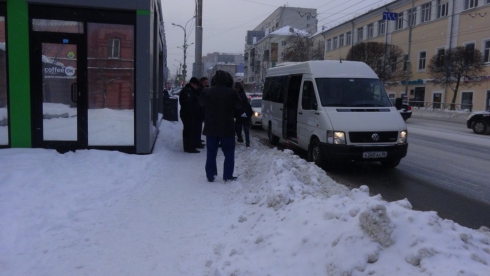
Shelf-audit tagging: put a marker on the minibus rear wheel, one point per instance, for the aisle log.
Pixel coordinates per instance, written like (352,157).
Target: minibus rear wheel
(272,138)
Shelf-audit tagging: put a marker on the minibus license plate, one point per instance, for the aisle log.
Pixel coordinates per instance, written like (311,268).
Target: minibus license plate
(374,154)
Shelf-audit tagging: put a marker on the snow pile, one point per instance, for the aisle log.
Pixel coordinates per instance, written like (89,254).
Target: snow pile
(96,212)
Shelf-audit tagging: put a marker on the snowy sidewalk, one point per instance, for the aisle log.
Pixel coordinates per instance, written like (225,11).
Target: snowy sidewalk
(109,213)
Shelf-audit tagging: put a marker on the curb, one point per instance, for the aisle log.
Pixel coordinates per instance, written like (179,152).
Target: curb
(441,115)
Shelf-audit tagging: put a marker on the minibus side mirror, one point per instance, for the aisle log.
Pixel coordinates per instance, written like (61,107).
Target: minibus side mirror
(398,103)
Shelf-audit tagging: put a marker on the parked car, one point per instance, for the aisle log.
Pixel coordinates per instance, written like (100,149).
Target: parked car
(479,121)
(405,111)
(256,119)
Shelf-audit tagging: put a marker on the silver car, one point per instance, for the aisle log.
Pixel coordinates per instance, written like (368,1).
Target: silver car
(256,119)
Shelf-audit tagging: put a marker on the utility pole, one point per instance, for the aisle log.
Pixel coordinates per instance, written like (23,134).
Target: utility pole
(198,48)
(184,70)
(411,23)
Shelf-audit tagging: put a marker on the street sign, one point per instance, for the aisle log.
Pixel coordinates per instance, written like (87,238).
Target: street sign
(390,16)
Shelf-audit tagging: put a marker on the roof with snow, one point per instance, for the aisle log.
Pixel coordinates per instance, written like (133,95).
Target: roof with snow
(288,30)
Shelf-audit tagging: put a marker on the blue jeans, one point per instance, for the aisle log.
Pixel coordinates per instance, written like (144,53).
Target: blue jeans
(228,148)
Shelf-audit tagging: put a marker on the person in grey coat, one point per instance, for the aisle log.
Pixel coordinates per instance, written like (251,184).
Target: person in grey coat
(220,102)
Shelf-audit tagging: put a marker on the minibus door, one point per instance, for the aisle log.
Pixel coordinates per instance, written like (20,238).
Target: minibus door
(291,108)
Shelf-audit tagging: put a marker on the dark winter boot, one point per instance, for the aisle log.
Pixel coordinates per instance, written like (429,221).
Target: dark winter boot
(240,139)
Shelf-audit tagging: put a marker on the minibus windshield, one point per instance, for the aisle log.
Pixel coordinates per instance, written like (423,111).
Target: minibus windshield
(352,92)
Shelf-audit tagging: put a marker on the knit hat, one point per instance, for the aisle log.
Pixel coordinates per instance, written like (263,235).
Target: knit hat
(221,77)
(194,80)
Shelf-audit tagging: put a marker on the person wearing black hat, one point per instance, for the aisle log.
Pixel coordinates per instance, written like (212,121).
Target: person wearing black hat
(220,102)
(189,112)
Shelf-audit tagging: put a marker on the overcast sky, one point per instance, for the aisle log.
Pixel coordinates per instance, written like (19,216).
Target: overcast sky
(226,22)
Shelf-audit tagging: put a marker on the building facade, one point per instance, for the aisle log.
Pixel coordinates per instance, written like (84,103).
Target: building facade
(80,75)
(266,53)
(422,29)
(212,59)
(264,44)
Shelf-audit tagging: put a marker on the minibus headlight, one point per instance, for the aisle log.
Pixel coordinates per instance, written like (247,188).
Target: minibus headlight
(402,137)
(335,137)
(256,114)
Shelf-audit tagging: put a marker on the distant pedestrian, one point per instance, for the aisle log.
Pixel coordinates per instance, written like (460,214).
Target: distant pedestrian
(189,112)
(242,116)
(220,102)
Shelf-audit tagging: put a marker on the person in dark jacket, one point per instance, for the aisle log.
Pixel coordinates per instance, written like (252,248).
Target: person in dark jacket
(220,102)
(242,116)
(189,112)
(200,115)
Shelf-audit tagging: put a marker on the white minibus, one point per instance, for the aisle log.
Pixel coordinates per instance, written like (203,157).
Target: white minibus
(336,110)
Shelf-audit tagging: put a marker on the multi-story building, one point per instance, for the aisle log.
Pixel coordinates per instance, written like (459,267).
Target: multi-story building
(267,52)
(422,29)
(210,62)
(265,43)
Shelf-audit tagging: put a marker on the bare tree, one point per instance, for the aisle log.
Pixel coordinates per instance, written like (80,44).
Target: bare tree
(388,61)
(300,48)
(456,65)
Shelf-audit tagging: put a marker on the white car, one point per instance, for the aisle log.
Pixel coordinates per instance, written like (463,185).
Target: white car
(256,119)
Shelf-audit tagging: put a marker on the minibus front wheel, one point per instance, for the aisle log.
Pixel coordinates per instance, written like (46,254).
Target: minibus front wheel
(272,138)
(315,153)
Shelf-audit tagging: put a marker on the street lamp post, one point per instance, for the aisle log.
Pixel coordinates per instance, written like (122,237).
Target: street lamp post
(184,67)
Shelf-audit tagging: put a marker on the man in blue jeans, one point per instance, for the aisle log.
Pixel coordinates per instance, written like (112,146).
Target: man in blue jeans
(220,102)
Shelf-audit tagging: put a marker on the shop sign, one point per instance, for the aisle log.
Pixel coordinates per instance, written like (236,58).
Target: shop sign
(413,82)
(56,72)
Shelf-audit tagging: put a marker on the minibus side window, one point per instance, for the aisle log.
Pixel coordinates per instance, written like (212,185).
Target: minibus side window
(278,87)
(268,89)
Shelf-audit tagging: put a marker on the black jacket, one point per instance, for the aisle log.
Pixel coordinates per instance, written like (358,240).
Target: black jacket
(220,103)
(189,102)
(245,112)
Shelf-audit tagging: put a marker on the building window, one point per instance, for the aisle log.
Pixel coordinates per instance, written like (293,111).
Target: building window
(113,48)
(440,58)
(469,53)
(486,51)
(412,17)
(466,100)
(381,27)
(348,38)
(393,64)
(283,43)
(405,63)
(360,34)
(370,30)
(329,44)
(335,40)
(470,4)
(426,11)
(308,17)
(341,40)
(399,21)
(422,60)
(442,8)
(308,25)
